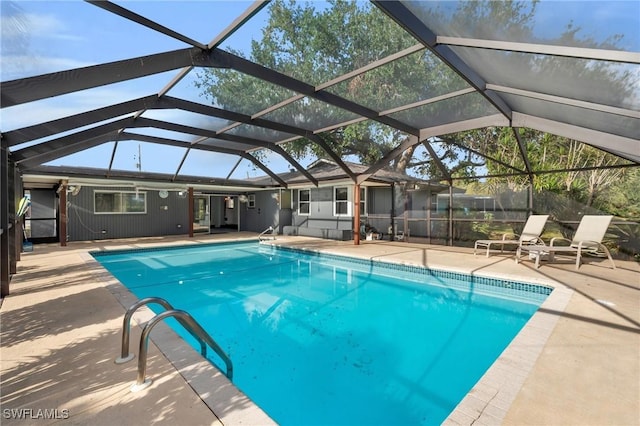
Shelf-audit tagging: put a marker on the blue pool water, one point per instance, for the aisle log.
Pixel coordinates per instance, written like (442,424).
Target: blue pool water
(335,341)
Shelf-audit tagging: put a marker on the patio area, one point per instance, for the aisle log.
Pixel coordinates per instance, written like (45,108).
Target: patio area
(576,362)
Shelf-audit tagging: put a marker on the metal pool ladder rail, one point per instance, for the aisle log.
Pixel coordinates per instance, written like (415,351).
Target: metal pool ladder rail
(183,317)
(263,237)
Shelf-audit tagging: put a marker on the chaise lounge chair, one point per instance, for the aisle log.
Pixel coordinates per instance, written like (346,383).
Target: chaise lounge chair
(530,235)
(587,239)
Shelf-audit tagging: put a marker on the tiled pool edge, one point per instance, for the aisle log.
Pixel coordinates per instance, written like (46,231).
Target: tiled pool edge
(488,401)
(476,279)
(165,247)
(226,402)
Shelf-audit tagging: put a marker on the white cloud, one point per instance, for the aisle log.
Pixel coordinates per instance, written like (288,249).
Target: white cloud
(24,36)
(35,25)
(21,66)
(31,113)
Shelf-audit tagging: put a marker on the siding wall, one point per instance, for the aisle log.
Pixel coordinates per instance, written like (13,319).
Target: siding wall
(320,212)
(85,225)
(264,214)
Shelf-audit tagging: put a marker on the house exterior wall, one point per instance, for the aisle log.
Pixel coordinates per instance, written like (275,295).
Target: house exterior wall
(164,216)
(169,216)
(320,211)
(264,213)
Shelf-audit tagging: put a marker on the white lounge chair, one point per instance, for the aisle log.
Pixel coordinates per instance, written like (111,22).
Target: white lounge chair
(530,235)
(587,239)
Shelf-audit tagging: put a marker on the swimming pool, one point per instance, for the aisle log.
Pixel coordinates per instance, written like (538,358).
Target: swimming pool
(333,340)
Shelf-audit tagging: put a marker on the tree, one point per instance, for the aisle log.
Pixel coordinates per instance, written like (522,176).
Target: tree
(317,44)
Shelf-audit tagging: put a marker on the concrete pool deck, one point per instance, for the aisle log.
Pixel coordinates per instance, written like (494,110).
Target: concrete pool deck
(576,362)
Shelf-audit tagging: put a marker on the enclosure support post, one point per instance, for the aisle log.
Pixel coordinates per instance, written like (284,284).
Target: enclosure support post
(429,217)
(63,213)
(19,232)
(13,218)
(356,210)
(530,201)
(190,203)
(4,218)
(450,213)
(405,228)
(392,228)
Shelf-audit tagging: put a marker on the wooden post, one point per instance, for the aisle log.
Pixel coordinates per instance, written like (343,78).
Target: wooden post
(5,277)
(356,211)
(19,193)
(62,226)
(14,247)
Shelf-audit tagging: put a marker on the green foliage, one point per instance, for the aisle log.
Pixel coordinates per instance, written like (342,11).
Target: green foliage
(316,44)
(623,198)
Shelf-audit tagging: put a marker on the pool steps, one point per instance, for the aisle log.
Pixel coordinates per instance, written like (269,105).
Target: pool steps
(184,318)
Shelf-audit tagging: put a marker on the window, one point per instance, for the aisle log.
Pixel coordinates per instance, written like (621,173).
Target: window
(251,201)
(341,201)
(304,201)
(363,201)
(119,202)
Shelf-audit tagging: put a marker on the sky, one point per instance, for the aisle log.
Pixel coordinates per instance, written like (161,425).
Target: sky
(60,35)
(40,37)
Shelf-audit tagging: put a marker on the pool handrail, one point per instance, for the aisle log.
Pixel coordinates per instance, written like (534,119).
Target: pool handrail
(125,356)
(189,323)
(261,236)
